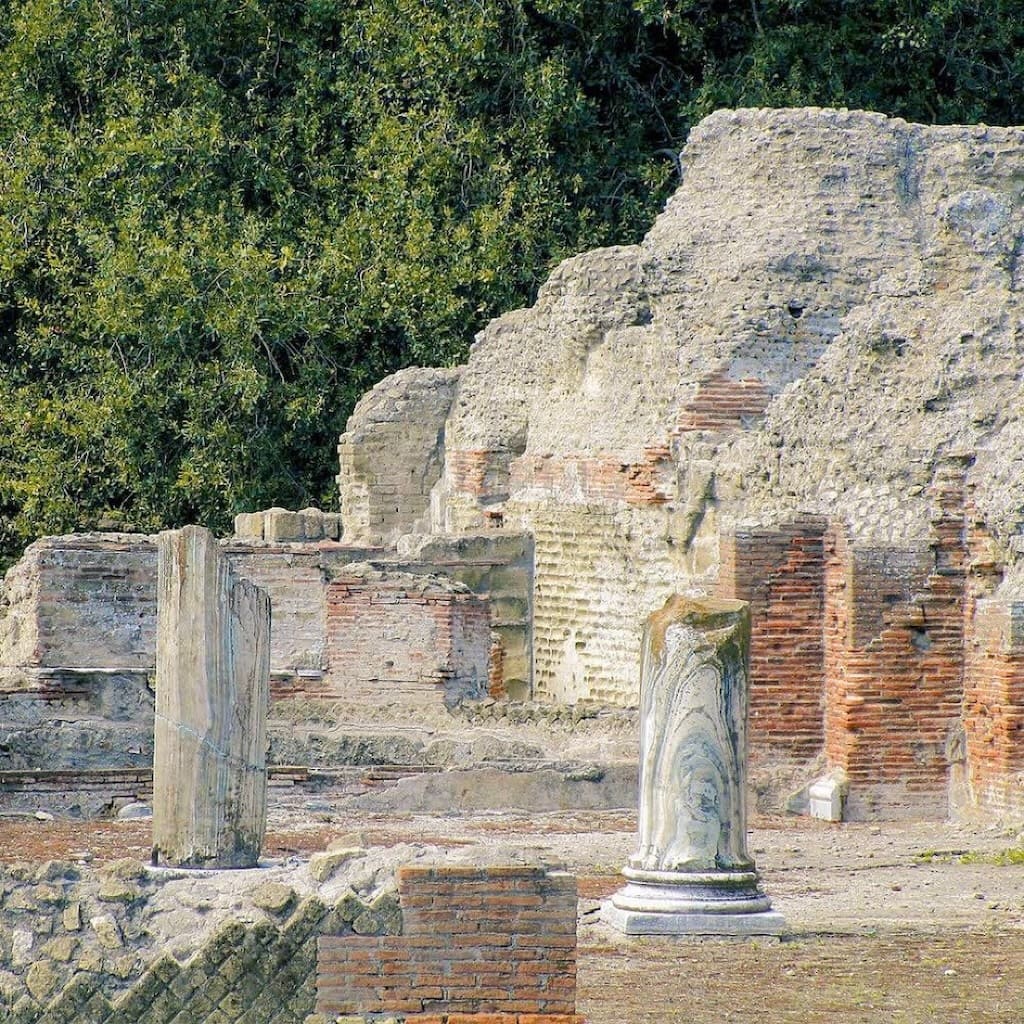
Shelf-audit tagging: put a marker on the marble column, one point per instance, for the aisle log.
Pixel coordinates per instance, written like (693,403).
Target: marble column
(212,692)
(691,873)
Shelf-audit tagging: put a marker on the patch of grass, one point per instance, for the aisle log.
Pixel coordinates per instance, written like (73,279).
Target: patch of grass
(1002,858)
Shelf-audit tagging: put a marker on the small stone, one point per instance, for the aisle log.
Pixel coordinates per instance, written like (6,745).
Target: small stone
(323,865)
(61,948)
(133,811)
(126,868)
(90,961)
(117,890)
(42,979)
(43,816)
(367,923)
(21,946)
(10,987)
(249,525)
(107,931)
(42,923)
(72,917)
(19,901)
(124,966)
(349,841)
(949,972)
(54,870)
(274,897)
(50,894)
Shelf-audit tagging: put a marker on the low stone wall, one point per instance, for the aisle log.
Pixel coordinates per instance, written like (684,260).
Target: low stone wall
(478,944)
(74,949)
(85,601)
(81,606)
(125,944)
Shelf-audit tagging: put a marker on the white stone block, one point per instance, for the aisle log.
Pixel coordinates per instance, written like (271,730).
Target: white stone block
(826,799)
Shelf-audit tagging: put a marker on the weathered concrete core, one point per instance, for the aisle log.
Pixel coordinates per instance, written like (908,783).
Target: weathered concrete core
(212,693)
(691,873)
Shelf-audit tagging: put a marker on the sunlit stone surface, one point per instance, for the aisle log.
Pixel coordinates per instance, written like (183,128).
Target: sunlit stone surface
(212,692)
(691,872)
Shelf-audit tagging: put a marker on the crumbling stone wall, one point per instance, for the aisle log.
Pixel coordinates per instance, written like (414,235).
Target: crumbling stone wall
(805,330)
(392,453)
(825,313)
(74,947)
(124,944)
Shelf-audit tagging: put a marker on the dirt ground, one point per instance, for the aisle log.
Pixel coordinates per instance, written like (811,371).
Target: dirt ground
(913,923)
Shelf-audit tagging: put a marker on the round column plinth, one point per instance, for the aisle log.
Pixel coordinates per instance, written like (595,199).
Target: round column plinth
(682,903)
(679,892)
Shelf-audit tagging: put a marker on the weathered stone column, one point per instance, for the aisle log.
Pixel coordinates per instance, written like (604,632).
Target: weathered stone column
(212,692)
(692,873)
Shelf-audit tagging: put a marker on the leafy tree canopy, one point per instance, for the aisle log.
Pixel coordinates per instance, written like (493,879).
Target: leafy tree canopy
(221,222)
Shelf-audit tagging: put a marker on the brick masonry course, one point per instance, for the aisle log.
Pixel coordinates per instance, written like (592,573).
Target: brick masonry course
(478,944)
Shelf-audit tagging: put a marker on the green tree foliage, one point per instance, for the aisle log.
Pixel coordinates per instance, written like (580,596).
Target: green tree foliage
(221,222)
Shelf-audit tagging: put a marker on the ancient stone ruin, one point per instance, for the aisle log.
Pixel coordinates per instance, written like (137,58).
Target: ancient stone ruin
(212,692)
(691,873)
(802,390)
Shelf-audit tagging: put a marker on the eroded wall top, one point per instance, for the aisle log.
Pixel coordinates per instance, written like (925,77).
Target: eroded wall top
(828,303)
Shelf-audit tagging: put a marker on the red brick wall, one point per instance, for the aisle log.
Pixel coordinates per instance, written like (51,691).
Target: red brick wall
(722,403)
(480,473)
(594,480)
(893,659)
(994,706)
(780,572)
(482,945)
(398,637)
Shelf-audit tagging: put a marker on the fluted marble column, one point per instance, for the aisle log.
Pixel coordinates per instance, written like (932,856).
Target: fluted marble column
(212,692)
(691,873)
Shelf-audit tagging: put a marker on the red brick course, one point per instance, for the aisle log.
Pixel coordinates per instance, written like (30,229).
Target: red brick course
(598,480)
(477,944)
(780,572)
(894,662)
(722,403)
(399,638)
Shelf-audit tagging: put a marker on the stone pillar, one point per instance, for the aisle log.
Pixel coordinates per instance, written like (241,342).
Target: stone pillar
(212,692)
(691,873)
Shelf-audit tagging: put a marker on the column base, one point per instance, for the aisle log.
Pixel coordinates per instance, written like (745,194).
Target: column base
(680,903)
(638,922)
